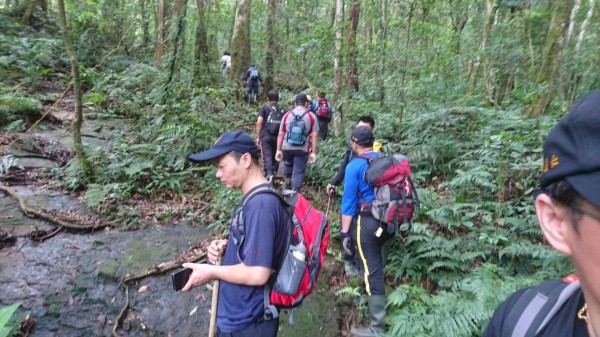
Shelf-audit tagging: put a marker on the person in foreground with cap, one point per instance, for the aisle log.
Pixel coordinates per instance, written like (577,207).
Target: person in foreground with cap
(297,142)
(359,226)
(567,206)
(248,260)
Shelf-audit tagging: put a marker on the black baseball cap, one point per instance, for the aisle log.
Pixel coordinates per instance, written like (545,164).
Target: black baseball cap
(572,149)
(363,136)
(229,141)
(301,98)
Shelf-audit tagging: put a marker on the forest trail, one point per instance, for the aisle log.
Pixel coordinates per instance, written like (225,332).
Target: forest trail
(70,282)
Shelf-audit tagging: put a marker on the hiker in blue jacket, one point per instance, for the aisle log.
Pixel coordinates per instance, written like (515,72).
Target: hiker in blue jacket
(567,205)
(248,261)
(360,232)
(251,78)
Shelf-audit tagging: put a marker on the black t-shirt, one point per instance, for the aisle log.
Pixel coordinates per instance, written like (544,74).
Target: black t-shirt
(564,323)
(264,112)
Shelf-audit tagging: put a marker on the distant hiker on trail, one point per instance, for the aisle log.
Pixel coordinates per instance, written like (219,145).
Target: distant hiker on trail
(226,63)
(251,79)
(297,142)
(567,205)
(240,310)
(268,124)
(360,232)
(323,110)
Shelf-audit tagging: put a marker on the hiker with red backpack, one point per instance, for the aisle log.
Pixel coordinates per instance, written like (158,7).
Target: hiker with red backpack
(297,143)
(268,124)
(567,206)
(258,240)
(361,233)
(323,110)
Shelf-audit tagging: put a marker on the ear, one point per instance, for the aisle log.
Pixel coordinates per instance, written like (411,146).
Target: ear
(246,160)
(554,221)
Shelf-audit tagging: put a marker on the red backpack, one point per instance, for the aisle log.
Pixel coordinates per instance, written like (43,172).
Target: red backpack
(294,279)
(323,109)
(395,196)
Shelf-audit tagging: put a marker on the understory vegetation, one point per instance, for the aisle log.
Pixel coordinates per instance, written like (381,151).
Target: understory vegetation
(475,159)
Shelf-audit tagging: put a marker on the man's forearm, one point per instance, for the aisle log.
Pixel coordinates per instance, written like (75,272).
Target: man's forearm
(315,138)
(346,222)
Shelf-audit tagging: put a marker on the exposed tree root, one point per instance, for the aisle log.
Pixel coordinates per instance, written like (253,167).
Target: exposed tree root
(30,212)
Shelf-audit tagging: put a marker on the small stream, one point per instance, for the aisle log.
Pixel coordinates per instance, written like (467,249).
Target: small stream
(70,283)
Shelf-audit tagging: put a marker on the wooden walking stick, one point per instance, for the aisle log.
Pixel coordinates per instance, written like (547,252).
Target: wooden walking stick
(213,309)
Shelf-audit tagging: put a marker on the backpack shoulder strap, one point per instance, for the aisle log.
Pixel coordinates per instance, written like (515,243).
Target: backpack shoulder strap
(536,306)
(240,213)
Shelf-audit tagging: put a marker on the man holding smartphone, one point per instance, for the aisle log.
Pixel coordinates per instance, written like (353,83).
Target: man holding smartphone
(252,247)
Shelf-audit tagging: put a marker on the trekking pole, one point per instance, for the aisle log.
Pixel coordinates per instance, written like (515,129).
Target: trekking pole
(328,204)
(212,332)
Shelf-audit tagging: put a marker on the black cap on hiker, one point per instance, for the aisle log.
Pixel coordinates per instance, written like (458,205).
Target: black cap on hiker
(301,98)
(572,150)
(363,136)
(229,141)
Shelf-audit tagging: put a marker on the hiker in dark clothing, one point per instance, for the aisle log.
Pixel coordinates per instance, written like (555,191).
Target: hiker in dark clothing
(248,260)
(567,206)
(323,110)
(251,78)
(267,129)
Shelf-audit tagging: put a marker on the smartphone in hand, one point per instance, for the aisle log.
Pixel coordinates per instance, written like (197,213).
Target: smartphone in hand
(180,278)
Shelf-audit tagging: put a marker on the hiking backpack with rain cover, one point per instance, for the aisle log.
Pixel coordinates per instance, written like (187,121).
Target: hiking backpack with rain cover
(296,132)
(297,270)
(323,109)
(274,119)
(396,199)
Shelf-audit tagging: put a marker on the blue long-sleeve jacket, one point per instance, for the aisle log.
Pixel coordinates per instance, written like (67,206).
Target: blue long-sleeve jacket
(356,189)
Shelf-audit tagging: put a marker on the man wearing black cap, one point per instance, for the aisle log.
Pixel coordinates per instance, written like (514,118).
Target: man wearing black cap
(297,142)
(359,226)
(568,211)
(251,250)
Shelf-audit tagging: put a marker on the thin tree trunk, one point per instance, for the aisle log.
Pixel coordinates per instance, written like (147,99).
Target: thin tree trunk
(491,7)
(241,53)
(382,53)
(160,34)
(76,125)
(572,22)
(352,70)
(338,118)
(405,63)
(270,47)
(550,65)
(145,22)
(202,75)
(584,25)
(337,52)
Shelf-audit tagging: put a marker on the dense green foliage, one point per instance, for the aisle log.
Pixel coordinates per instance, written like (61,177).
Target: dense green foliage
(457,109)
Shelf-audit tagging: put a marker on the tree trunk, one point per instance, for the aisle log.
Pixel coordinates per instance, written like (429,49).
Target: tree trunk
(572,22)
(352,70)
(270,47)
(337,64)
(160,34)
(402,96)
(241,53)
(550,64)
(584,24)
(145,22)
(76,125)
(491,7)
(175,45)
(202,75)
(382,53)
